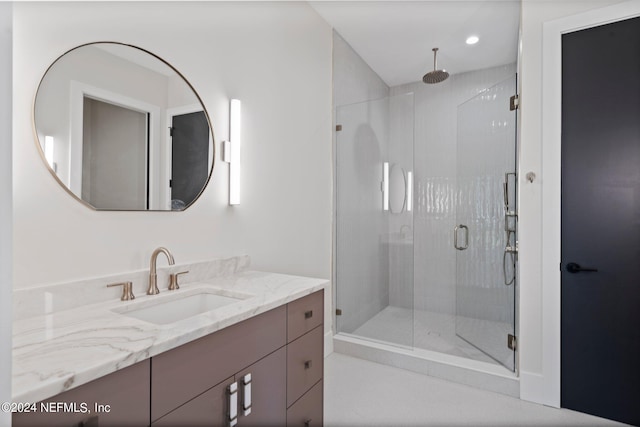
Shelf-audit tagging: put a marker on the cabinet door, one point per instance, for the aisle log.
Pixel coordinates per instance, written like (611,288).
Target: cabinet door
(124,396)
(268,391)
(211,408)
(185,372)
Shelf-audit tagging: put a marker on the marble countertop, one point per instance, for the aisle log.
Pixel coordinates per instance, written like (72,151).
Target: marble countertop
(55,352)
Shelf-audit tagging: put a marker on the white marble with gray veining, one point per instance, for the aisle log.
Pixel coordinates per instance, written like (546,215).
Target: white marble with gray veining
(59,349)
(47,299)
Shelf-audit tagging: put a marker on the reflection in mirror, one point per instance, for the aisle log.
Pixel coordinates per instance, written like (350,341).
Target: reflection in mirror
(121,129)
(397,189)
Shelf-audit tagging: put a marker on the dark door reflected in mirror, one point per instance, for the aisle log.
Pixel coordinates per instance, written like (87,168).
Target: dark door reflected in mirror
(190,151)
(121,129)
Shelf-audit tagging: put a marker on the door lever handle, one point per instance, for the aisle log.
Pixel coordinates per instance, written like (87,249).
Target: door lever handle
(572,267)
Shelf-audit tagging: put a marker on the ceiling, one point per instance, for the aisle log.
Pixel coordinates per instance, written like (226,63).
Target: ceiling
(137,56)
(396,37)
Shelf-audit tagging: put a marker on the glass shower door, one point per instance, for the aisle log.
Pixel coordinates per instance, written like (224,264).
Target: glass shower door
(374,238)
(485,218)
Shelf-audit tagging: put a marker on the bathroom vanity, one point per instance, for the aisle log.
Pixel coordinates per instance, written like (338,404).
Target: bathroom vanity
(258,361)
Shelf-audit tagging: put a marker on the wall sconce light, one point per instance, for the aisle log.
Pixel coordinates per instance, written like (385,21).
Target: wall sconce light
(48,152)
(231,152)
(409,191)
(385,186)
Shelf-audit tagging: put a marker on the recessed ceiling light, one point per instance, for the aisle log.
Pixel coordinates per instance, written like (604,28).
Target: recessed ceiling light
(472,40)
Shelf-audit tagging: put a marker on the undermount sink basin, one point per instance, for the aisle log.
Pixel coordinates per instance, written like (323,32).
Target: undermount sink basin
(181,306)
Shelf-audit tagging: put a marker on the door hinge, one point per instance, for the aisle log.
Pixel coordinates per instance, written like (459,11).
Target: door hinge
(338,312)
(512,342)
(170,183)
(171,131)
(514,102)
(338,128)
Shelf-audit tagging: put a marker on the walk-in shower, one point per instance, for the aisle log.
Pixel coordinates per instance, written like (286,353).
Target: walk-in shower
(433,272)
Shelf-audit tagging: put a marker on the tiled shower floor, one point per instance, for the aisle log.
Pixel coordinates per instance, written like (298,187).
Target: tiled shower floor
(437,332)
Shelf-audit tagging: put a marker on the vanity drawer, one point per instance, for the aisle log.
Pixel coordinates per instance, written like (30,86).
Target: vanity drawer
(125,391)
(208,409)
(304,314)
(304,364)
(181,374)
(307,412)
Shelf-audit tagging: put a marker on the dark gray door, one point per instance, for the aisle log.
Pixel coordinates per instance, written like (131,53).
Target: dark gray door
(600,368)
(190,156)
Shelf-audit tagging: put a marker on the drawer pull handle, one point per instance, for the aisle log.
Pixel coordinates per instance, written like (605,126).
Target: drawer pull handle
(307,423)
(246,395)
(233,404)
(308,364)
(308,314)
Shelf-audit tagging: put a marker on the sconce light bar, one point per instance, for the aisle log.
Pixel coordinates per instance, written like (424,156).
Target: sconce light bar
(409,191)
(235,110)
(48,152)
(385,186)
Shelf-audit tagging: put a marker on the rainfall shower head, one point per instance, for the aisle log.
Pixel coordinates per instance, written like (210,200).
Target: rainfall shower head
(435,76)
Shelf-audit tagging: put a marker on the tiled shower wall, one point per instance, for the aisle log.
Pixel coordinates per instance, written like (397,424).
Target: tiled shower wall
(435,163)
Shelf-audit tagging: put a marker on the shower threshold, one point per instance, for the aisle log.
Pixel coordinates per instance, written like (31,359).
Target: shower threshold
(464,365)
(434,331)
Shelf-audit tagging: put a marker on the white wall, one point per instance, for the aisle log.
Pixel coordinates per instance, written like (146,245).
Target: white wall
(275,57)
(5,208)
(531,341)
(353,79)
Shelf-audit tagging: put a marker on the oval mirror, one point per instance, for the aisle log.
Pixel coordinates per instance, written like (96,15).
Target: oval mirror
(121,129)
(397,186)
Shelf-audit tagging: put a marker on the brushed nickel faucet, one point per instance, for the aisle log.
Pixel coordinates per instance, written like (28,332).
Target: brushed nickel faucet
(153,277)
(127,290)
(173,280)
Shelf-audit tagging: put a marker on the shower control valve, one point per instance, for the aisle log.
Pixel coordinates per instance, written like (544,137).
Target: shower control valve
(512,249)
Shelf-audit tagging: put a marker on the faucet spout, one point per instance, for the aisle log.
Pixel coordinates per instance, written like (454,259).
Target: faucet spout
(153,276)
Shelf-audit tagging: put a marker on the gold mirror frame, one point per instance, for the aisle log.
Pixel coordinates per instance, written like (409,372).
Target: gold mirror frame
(40,144)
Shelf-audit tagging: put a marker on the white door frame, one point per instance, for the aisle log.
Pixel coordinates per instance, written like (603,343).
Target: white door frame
(78,91)
(6,210)
(551,168)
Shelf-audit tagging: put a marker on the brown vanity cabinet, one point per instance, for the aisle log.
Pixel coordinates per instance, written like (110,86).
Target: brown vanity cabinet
(305,361)
(307,411)
(268,370)
(208,409)
(282,350)
(267,396)
(124,396)
(181,374)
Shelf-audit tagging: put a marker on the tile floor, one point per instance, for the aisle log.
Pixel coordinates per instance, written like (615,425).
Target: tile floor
(437,332)
(362,393)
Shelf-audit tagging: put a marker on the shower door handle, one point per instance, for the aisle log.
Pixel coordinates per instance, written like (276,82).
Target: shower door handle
(466,237)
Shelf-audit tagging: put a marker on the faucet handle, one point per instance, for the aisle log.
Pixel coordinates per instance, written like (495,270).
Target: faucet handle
(173,280)
(127,290)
